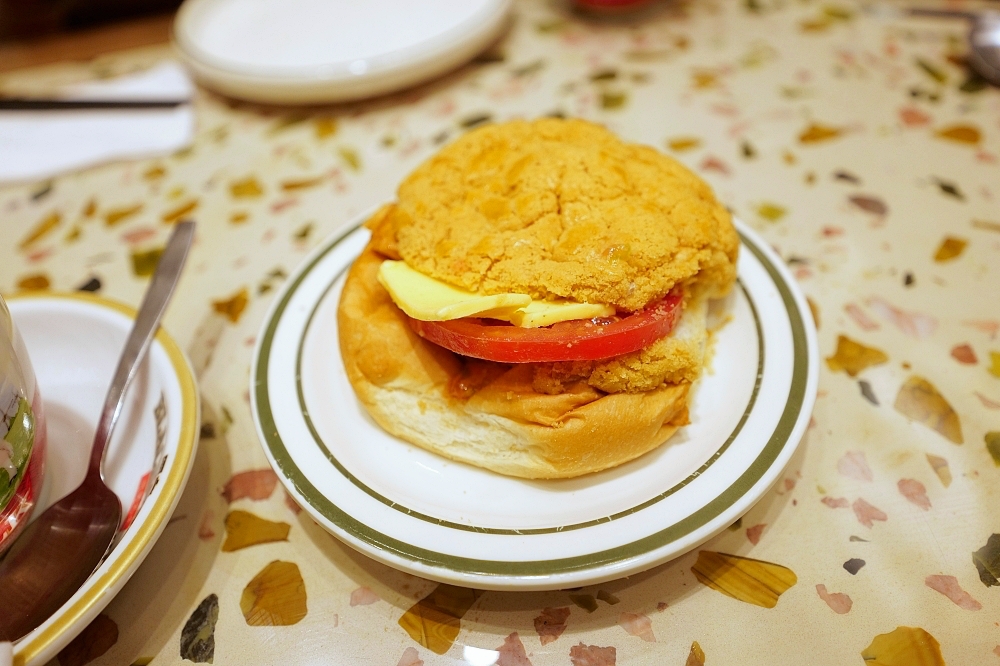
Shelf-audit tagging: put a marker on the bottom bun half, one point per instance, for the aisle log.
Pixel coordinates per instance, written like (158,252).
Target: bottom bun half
(488,414)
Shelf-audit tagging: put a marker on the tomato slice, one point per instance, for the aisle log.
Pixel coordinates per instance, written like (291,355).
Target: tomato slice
(582,340)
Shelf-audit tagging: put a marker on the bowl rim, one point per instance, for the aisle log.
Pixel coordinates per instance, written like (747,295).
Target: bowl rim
(44,641)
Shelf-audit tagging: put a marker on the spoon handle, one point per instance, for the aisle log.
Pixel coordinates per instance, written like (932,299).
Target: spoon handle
(887,11)
(168,269)
(940,13)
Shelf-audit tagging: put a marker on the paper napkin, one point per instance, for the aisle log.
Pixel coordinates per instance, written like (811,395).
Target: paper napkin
(39,144)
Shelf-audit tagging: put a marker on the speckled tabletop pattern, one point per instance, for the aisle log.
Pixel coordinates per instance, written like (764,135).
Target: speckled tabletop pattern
(856,143)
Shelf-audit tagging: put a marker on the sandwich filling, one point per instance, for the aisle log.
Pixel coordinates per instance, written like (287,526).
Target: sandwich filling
(610,350)
(514,328)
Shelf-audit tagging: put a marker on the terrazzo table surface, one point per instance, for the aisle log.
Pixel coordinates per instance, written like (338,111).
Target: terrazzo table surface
(855,143)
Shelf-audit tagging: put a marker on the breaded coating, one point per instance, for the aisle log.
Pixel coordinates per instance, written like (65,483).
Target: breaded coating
(675,359)
(563,209)
(644,370)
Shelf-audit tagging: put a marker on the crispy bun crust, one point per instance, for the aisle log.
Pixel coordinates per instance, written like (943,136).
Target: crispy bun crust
(564,209)
(483,413)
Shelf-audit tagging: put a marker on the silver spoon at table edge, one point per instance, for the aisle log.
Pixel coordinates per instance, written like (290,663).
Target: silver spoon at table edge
(58,551)
(984,37)
(984,33)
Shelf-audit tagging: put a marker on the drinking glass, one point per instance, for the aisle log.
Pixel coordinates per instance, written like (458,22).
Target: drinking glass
(22,434)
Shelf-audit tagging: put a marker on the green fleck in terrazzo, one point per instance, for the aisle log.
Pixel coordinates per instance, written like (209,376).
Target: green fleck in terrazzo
(198,634)
(987,561)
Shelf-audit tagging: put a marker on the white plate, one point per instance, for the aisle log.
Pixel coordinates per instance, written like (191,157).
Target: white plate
(74,341)
(318,51)
(455,523)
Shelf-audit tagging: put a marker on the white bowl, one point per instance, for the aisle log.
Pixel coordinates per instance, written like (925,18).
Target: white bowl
(74,341)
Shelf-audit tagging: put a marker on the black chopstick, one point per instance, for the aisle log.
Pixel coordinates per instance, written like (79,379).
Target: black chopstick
(42,104)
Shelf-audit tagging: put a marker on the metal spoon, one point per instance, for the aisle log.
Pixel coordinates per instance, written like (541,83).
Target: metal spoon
(984,38)
(62,547)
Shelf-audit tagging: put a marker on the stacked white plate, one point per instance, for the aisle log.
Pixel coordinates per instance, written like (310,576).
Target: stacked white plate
(319,51)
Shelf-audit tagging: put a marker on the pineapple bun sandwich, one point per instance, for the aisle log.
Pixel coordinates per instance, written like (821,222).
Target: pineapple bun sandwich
(534,302)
